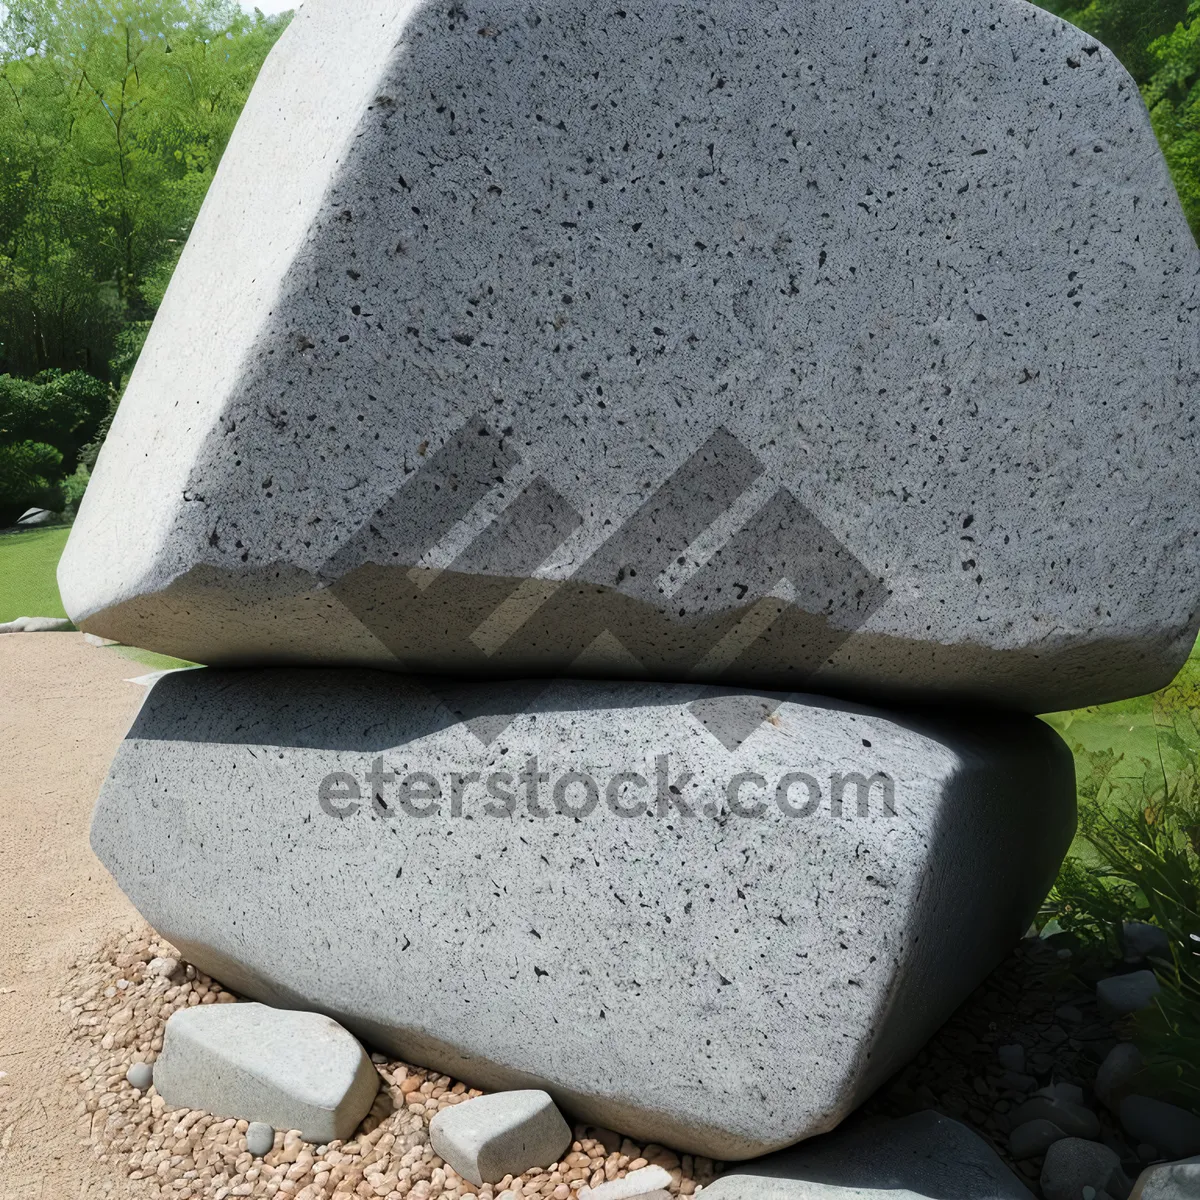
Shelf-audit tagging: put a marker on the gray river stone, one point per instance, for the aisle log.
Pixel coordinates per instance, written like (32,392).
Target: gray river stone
(267,1066)
(926,1156)
(838,347)
(710,919)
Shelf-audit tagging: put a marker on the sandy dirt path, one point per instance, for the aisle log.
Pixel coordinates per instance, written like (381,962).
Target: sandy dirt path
(64,708)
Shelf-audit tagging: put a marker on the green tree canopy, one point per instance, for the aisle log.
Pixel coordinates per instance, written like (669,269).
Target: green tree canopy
(113,117)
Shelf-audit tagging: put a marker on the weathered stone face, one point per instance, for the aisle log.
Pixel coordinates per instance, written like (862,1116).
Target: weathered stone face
(799,346)
(711,919)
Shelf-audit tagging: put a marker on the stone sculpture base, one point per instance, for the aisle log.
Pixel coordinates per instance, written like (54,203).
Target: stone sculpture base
(708,918)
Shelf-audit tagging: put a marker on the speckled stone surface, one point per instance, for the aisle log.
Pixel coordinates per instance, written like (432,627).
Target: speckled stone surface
(847,348)
(926,1156)
(598,892)
(288,1070)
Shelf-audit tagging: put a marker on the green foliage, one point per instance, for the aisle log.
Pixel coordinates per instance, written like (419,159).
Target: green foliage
(1138,857)
(44,424)
(113,117)
(29,478)
(1158,41)
(1173,97)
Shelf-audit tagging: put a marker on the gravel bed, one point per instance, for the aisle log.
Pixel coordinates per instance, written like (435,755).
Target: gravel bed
(1041,998)
(118,1009)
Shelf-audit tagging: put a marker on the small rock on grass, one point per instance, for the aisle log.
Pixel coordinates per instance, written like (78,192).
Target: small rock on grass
(140,1075)
(1174,1130)
(637,1184)
(1075,1163)
(260,1137)
(504,1133)
(1124,994)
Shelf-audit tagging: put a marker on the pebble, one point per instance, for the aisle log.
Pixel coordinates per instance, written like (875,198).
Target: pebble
(162,968)
(260,1137)
(495,1137)
(140,1075)
(635,1184)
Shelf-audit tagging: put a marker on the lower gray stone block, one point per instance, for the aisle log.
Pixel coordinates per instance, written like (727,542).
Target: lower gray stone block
(925,1155)
(712,919)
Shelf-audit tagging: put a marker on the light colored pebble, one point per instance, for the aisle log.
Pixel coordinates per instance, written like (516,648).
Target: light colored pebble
(140,1075)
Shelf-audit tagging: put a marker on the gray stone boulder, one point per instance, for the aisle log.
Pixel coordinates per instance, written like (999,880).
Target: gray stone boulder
(506,1133)
(925,1155)
(1168,1181)
(1121,995)
(1173,1130)
(1119,1075)
(1033,1138)
(754,362)
(1075,1163)
(712,919)
(1141,941)
(288,1070)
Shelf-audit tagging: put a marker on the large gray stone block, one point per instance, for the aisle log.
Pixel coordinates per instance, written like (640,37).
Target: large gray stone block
(710,919)
(843,347)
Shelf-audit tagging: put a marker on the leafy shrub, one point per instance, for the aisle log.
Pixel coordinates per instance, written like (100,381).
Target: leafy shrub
(29,475)
(1138,858)
(44,423)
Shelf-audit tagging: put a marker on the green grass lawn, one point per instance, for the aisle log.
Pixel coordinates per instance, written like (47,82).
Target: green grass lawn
(28,561)
(29,587)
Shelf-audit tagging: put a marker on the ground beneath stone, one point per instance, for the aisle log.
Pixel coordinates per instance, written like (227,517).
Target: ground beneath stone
(64,708)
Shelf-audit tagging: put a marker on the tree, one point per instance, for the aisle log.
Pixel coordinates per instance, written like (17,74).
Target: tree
(113,117)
